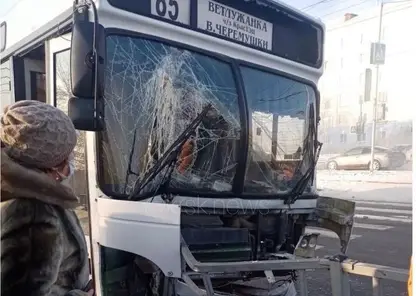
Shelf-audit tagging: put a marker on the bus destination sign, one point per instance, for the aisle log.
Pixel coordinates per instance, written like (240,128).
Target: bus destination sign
(264,26)
(233,24)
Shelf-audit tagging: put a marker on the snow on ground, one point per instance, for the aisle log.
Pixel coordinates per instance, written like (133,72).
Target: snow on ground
(398,177)
(393,194)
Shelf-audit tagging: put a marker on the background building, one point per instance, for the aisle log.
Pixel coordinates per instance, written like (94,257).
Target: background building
(347,56)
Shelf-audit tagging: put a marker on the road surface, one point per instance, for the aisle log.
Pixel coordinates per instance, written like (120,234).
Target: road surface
(382,235)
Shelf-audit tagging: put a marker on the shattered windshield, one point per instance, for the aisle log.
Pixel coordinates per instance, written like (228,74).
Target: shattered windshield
(154,90)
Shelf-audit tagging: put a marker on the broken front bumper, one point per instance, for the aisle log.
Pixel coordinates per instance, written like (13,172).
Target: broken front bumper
(330,213)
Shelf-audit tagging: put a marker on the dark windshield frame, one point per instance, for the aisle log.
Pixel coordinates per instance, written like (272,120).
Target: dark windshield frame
(238,182)
(253,66)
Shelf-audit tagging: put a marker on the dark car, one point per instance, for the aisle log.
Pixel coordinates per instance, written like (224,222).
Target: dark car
(360,158)
(407,149)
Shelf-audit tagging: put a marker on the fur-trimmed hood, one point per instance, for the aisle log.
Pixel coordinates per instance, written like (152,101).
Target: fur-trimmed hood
(18,181)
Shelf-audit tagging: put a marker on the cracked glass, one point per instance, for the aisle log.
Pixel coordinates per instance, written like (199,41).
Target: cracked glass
(153,91)
(278,108)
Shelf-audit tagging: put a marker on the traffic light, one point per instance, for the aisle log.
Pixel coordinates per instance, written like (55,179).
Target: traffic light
(367,85)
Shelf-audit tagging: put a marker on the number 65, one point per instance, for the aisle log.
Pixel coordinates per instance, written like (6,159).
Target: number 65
(162,9)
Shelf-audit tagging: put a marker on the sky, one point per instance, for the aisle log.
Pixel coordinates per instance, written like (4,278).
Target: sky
(324,9)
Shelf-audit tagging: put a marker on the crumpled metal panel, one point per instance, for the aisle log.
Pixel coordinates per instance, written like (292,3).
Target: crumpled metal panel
(336,215)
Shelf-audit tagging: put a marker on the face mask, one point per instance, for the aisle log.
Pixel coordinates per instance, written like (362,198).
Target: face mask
(65,179)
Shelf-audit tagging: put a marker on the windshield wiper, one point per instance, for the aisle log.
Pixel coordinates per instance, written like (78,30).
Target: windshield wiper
(313,148)
(301,185)
(169,156)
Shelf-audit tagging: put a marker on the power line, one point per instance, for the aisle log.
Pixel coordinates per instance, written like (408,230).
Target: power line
(315,4)
(333,5)
(325,2)
(368,18)
(11,8)
(342,9)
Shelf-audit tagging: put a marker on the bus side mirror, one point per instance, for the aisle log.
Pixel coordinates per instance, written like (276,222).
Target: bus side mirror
(83,60)
(86,114)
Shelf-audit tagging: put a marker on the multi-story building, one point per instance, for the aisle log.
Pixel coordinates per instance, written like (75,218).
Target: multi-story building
(347,56)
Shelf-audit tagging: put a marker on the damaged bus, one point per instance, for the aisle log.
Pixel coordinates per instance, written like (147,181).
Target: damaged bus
(198,137)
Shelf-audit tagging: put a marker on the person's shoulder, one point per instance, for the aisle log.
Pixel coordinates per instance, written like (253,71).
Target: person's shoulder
(25,211)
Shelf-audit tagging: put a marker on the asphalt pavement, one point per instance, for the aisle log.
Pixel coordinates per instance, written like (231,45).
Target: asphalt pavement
(382,235)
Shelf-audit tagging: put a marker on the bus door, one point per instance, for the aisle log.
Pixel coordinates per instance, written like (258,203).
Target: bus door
(34,72)
(58,93)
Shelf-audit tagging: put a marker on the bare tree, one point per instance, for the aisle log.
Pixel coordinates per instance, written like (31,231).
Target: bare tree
(63,93)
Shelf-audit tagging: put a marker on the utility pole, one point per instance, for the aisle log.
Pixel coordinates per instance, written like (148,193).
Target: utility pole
(360,122)
(377,47)
(374,129)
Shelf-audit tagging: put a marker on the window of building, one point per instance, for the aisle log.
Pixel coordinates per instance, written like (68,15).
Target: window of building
(343,137)
(361,137)
(258,131)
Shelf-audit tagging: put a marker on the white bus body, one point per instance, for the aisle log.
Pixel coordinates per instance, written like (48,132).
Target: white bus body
(38,48)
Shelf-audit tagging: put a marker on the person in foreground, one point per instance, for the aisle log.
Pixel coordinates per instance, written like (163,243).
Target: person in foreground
(43,248)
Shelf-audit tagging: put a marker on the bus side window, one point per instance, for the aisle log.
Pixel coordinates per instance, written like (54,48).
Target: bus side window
(62,94)
(5,85)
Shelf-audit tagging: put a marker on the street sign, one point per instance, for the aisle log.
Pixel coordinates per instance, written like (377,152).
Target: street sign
(378,53)
(353,129)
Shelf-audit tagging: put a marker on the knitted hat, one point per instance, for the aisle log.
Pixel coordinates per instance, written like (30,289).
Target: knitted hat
(37,134)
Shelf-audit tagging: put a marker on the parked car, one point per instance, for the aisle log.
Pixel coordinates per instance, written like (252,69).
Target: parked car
(407,149)
(360,158)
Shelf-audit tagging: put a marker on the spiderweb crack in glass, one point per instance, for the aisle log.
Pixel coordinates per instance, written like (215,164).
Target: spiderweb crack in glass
(155,90)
